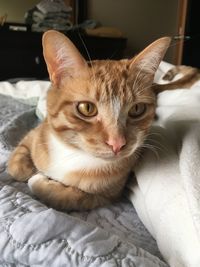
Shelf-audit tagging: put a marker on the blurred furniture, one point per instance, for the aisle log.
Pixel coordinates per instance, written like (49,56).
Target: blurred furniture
(21,52)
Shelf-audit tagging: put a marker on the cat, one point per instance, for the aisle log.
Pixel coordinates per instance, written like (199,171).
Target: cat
(99,114)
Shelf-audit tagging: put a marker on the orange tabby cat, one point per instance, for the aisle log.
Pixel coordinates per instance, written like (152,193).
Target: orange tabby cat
(98,117)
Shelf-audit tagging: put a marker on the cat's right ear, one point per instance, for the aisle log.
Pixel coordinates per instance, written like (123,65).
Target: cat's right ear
(61,56)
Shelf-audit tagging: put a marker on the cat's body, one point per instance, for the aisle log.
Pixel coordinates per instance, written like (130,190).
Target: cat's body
(98,118)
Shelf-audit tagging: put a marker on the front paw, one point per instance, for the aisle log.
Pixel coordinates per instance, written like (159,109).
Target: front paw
(49,191)
(36,181)
(20,168)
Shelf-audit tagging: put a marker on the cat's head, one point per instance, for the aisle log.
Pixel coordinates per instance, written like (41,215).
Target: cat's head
(104,107)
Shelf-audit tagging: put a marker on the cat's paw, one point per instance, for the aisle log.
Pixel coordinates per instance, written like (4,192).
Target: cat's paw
(35,181)
(20,167)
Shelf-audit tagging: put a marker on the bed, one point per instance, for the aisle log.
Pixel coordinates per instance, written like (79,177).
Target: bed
(32,234)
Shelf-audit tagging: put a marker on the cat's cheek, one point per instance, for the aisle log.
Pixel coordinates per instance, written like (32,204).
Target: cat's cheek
(143,124)
(135,138)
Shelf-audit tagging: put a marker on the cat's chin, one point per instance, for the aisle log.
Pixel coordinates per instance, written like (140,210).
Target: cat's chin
(106,157)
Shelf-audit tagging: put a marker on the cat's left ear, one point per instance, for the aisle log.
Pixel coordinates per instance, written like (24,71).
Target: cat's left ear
(149,59)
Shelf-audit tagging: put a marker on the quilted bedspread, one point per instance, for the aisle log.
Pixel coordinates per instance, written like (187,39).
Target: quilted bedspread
(32,234)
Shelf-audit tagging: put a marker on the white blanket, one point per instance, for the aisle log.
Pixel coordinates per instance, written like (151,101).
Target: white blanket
(167,194)
(30,92)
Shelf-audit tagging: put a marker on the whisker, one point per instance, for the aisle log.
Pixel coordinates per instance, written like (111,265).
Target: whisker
(149,143)
(150,86)
(150,148)
(135,82)
(89,57)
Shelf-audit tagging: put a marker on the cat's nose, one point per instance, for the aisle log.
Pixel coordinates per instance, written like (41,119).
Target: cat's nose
(116,144)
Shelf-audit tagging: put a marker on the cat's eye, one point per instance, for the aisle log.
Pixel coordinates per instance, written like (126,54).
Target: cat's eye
(87,109)
(137,110)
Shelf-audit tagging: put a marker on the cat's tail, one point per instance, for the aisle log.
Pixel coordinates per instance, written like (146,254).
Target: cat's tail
(190,76)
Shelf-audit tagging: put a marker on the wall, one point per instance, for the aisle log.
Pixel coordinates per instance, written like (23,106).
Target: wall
(16,9)
(141,21)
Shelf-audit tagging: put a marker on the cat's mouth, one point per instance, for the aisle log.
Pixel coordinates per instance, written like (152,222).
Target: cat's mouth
(109,156)
(105,156)
(124,154)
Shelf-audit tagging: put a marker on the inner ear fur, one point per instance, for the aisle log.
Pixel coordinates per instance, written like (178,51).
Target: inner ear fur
(61,56)
(149,59)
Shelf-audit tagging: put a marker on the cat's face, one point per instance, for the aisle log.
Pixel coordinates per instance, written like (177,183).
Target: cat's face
(102,111)
(104,108)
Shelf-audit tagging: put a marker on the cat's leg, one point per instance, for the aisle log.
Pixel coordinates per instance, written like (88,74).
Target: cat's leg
(20,164)
(63,197)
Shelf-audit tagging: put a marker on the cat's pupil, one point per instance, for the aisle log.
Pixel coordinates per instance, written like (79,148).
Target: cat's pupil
(88,108)
(139,108)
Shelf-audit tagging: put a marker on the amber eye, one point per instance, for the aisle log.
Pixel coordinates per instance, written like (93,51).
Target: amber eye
(87,109)
(137,110)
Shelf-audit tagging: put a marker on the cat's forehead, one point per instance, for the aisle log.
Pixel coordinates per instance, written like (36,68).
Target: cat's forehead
(109,68)
(113,80)
(107,80)
(110,75)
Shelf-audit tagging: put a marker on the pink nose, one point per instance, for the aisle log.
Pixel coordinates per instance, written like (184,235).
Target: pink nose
(116,144)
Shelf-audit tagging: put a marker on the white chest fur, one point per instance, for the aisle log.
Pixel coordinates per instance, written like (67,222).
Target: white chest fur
(65,160)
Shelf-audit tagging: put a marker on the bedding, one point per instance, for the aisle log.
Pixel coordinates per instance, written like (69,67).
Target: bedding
(168,179)
(165,194)
(32,234)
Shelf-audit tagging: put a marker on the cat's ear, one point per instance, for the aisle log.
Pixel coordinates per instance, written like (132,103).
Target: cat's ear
(149,59)
(61,56)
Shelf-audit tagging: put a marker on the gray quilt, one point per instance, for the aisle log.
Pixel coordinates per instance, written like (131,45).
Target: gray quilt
(32,234)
